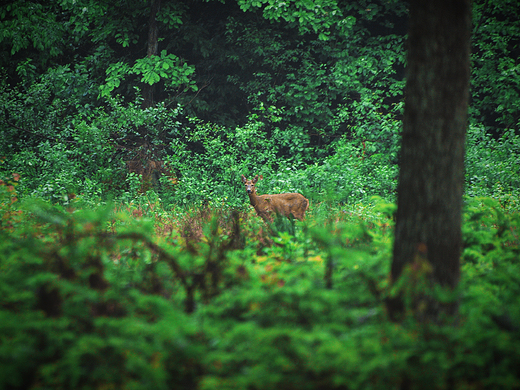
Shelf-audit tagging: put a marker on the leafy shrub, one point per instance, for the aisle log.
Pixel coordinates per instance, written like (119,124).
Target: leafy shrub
(492,165)
(100,297)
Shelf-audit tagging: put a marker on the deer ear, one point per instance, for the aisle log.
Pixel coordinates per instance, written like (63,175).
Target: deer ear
(255,179)
(244,179)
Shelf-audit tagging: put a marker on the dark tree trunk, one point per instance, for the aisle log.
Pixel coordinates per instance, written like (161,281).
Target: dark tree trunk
(431,175)
(152,49)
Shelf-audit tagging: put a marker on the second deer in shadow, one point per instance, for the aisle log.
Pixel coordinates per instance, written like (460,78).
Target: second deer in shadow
(284,204)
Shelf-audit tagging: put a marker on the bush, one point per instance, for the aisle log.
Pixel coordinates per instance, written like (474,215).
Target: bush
(493,165)
(134,296)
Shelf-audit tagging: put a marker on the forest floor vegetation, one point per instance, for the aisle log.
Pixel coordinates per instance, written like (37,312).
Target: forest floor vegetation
(136,296)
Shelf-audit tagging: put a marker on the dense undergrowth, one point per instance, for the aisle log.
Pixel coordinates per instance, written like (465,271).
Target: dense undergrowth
(129,257)
(139,297)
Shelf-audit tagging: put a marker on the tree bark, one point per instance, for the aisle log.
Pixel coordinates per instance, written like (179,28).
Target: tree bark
(152,49)
(431,178)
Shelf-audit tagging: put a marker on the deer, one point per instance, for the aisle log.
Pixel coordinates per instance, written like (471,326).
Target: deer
(287,204)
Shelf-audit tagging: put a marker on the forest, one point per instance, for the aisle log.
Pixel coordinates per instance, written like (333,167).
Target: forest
(131,257)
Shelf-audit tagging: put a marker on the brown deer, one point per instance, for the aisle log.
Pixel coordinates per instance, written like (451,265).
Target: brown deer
(284,204)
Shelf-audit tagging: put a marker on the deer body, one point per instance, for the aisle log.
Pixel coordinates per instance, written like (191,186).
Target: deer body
(283,204)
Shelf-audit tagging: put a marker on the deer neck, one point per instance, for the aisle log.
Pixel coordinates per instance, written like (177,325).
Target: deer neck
(254,198)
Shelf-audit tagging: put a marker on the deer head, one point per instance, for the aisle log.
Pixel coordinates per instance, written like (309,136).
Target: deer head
(250,184)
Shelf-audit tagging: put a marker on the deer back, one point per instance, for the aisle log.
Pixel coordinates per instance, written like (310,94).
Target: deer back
(285,204)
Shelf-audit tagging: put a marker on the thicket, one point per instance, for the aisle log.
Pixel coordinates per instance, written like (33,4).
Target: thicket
(312,101)
(129,257)
(132,297)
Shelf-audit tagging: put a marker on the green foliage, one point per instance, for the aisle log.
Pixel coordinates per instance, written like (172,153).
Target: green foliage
(115,73)
(152,69)
(328,65)
(100,297)
(88,152)
(495,69)
(310,97)
(316,92)
(492,166)
(309,16)
(55,158)
(352,174)
(211,159)
(31,24)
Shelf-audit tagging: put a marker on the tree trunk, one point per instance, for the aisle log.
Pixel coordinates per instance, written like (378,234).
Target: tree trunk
(152,49)
(431,175)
